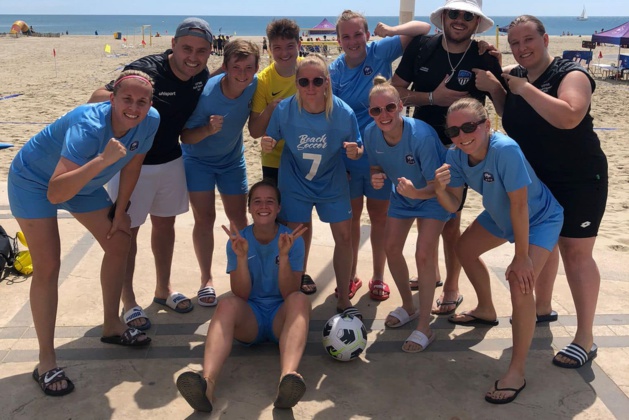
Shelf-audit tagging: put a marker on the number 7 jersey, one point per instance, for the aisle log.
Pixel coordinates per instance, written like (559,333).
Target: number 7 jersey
(311,166)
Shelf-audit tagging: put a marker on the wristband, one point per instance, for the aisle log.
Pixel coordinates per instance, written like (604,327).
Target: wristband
(430,101)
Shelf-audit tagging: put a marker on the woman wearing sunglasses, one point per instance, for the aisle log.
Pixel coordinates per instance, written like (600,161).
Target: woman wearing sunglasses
(352,76)
(518,208)
(547,111)
(407,152)
(318,128)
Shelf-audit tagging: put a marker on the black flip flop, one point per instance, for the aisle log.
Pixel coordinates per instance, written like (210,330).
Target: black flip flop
(192,387)
(542,319)
(439,283)
(129,338)
(291,389)
(474,321)
(576,353)
(51,377)
(504,400)
(456,304)
(306,280)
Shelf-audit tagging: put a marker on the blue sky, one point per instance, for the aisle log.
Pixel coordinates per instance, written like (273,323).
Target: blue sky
(302,8)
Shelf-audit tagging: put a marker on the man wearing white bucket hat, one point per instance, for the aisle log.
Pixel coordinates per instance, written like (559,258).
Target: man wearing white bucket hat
(442,69)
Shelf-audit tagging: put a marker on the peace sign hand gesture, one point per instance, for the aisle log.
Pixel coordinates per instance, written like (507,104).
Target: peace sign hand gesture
(287,240)
(240,246)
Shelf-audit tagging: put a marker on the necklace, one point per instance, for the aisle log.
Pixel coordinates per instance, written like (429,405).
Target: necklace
(453,68)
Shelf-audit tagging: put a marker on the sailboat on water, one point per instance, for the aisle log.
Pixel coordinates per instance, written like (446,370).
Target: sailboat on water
(584,15)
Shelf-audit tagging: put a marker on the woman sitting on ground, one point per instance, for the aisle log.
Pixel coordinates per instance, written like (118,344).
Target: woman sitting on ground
(265,263)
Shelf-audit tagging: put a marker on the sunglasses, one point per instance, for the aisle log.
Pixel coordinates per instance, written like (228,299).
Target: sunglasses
(305,82)
(467,16)
(468,127)
(377,110)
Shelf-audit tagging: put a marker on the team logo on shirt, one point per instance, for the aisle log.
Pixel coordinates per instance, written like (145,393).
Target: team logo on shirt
(198,86)
(487,177)
(367,70)
(277,260)
(410,159)
(464,77)
(134,145)
(308,143)
(545,87)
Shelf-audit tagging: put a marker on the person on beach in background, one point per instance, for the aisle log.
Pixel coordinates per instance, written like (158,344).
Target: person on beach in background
(407,152)
(213,152)
(265,47)
(352,76)
(519,208)
(442,69)
(318,129)
(277,82)
(547,111)
(65,167)
(180,74)
(264,262)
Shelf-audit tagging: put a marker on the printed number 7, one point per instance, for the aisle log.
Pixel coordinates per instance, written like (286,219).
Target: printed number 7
(316,161)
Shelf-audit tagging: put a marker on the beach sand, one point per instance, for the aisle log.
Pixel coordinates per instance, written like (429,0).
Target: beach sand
(50,86)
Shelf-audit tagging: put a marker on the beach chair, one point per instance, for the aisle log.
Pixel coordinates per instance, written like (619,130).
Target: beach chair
(623,67)
(578,56)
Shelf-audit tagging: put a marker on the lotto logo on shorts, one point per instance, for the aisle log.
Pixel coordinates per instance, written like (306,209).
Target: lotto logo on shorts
(487,177)
(367,70)
(134,145)
(410,159)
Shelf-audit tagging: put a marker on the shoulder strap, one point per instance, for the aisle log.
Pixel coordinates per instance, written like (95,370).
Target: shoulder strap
(427,46)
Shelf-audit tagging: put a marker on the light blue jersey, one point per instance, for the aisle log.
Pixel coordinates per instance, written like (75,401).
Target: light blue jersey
(353,85)
(416,157)
(504,170)
(79,136)
(263,262)
(311,166)
(225,147)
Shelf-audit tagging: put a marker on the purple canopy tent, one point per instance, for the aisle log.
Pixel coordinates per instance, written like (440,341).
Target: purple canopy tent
(325,27)
(617,36)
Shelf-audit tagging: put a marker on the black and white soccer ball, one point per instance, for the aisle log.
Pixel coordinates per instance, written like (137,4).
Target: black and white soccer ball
(344,337)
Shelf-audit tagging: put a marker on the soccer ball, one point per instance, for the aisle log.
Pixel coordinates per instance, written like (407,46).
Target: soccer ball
(344,337)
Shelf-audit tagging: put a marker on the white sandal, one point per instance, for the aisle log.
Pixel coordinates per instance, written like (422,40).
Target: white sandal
(400,314)
(420,338)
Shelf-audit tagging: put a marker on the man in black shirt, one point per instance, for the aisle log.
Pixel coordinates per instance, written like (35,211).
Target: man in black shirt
(443,69)
(179,75)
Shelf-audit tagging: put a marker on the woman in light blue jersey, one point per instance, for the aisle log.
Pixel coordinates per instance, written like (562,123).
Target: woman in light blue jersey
(352,76)
(65,167)
(318,129)
(407,152)
(265,263)
(519,208)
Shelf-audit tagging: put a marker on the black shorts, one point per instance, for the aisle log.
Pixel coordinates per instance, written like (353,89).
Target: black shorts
(270,174)
(583,207)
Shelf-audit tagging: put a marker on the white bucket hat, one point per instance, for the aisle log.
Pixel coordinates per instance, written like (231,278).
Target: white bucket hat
(473,6)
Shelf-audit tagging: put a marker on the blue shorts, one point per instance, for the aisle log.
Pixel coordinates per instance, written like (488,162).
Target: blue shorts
(426,209)
(295,210)
(202,175)
(544,235)
(265,314)
(360,184)
(32,202)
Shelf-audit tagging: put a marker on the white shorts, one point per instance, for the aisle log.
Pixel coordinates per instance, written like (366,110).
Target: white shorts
(161,191)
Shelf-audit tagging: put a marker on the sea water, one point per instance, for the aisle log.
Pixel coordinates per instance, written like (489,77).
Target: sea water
(106,25)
